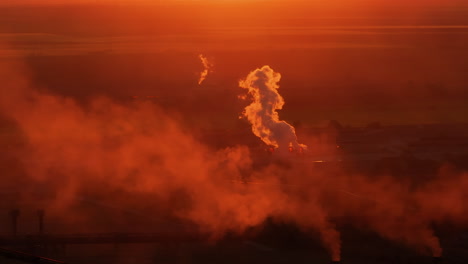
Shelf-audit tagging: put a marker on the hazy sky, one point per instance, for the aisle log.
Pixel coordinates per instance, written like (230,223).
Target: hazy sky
(345,60)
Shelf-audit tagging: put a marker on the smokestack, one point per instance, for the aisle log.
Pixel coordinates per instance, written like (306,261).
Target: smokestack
(14,220)
(437,260)
(40,214)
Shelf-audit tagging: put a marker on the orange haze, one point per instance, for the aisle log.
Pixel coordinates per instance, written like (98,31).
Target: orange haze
(140,149)
(67,83)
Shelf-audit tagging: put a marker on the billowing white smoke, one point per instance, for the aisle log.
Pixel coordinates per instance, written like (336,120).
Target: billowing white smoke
(262,86)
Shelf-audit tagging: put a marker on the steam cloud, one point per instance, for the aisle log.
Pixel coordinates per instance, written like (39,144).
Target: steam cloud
(206,68)
(262,86)
(137,152)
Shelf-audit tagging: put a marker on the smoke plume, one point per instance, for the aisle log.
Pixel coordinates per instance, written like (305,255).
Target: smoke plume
(138,157)
(262,85)
(206,68)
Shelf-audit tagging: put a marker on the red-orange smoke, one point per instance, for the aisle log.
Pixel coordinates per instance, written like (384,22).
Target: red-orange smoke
(140,152)
(136,147)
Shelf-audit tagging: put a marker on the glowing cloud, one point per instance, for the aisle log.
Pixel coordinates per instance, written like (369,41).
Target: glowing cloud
(207,68)
(262,86)
(73,150)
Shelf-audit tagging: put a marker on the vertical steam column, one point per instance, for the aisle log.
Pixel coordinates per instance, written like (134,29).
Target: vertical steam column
(262,87)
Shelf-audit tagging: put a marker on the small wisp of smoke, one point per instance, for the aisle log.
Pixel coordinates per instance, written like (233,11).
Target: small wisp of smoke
(207,65)
(262,86)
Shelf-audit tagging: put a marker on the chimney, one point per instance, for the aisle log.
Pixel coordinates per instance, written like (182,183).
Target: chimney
(437,260)
(14,220)
(335,262)
(40,214)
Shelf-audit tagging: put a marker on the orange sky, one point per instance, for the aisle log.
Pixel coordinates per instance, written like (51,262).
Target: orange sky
(337,4)
(349,55)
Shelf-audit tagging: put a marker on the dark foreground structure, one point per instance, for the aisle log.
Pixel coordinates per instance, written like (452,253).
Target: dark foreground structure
(25,257)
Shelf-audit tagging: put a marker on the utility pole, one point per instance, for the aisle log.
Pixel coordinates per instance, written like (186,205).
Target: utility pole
(40,214)
(14,218)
